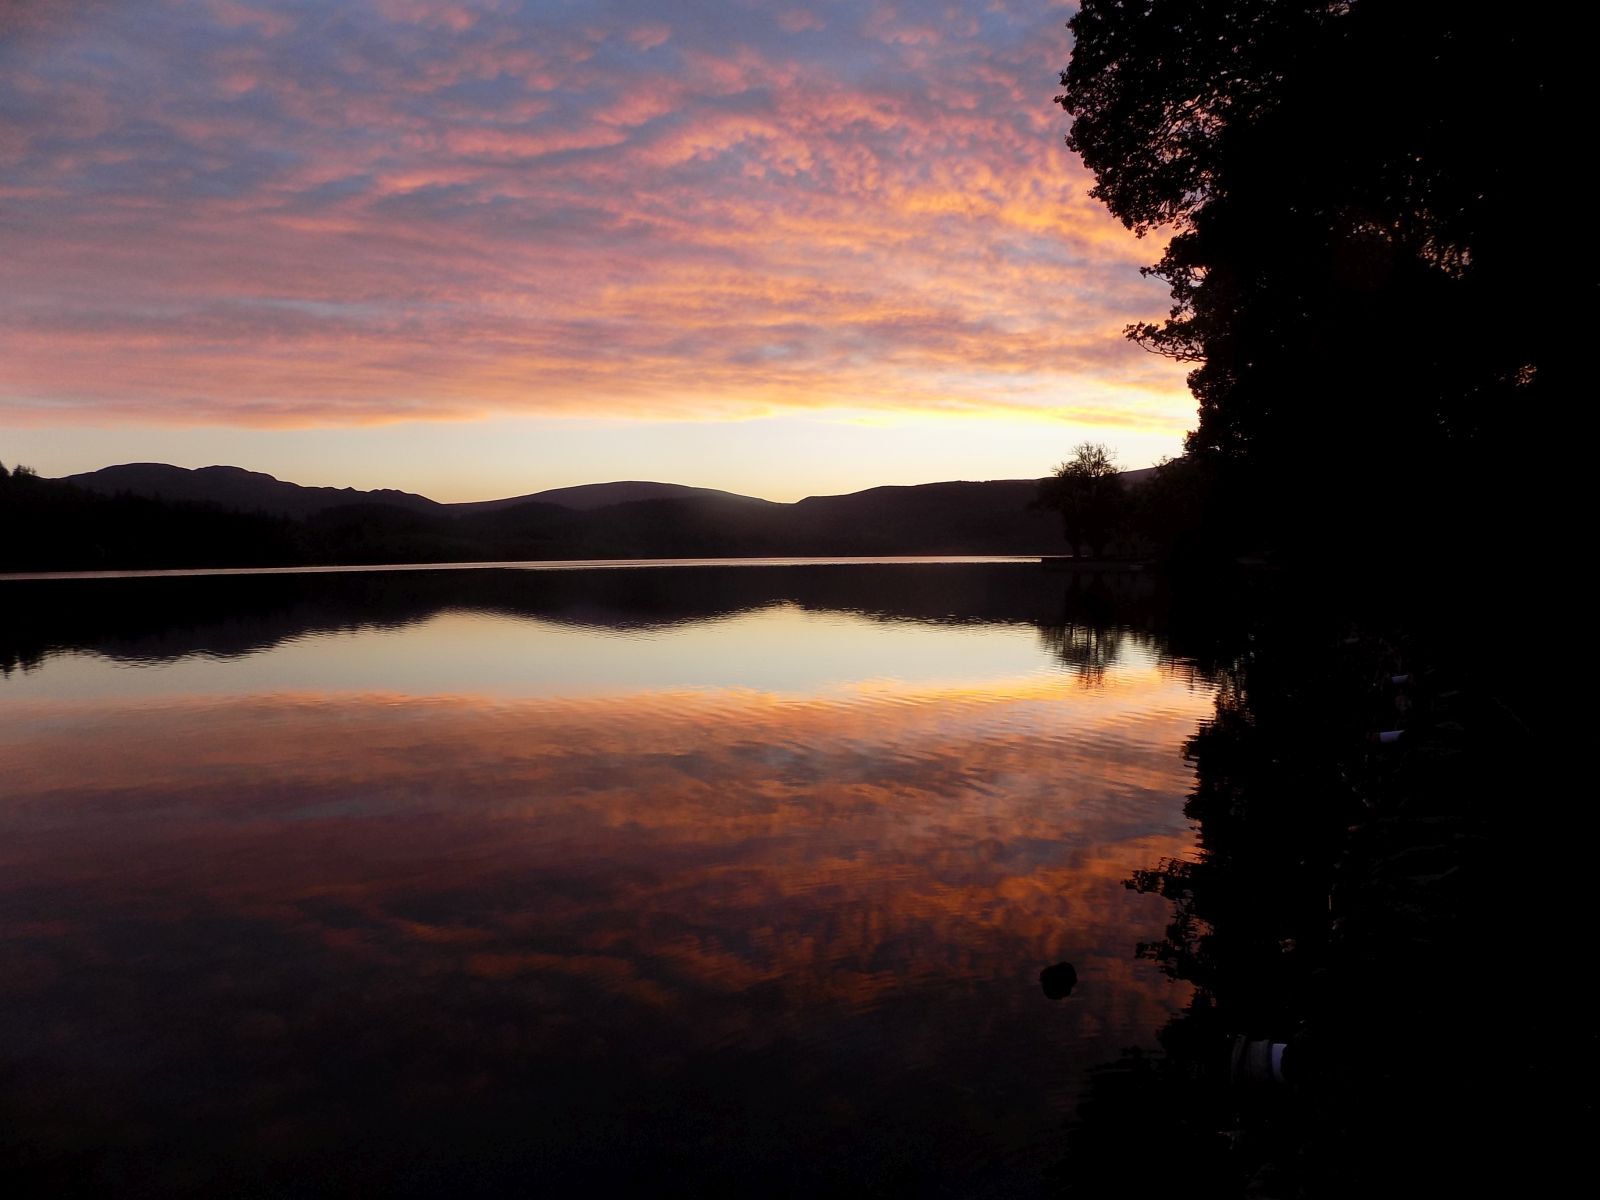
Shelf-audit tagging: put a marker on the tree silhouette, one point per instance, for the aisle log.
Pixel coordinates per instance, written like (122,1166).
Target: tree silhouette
(1087,491)
(1364,260)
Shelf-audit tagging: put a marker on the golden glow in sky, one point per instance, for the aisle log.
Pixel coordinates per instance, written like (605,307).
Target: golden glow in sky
(480,249)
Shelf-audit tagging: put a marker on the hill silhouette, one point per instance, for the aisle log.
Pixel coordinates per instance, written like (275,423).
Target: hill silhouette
(157,516)
(589,496)
(237,489)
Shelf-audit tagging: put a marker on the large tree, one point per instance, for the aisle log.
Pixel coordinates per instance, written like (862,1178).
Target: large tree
(1363,254)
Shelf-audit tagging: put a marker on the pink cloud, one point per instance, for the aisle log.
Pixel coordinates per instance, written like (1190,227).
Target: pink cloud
(798,20)
(449,218)
(439,14)
(648,37)
(258,18)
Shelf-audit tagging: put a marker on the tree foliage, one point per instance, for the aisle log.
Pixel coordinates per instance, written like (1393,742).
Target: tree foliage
(1363,255)
(1086,490)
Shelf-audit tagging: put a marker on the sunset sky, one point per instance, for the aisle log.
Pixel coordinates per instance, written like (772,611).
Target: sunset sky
(481,249)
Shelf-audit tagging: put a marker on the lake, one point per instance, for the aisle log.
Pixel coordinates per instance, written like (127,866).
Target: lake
(495,882)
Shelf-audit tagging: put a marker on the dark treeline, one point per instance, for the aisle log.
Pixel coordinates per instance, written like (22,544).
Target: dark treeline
(1363,270)
(1167,516)
(52,525)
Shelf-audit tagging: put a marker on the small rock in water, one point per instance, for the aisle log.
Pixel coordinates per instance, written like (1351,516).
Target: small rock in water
(1058,981)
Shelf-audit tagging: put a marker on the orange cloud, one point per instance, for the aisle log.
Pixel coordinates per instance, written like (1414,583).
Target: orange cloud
(464,213)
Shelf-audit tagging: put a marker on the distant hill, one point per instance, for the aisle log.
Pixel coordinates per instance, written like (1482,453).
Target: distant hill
(236,488)
(931,518)
(589,496)
(155,515)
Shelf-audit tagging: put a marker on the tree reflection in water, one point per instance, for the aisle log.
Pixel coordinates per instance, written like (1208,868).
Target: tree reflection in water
(1099,612)
(1083,649)
(1363,876)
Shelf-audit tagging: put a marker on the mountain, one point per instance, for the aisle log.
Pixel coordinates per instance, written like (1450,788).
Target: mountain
(589,496)
(931,518)
(236,488)
(255,491)
(152,515)
(676,522)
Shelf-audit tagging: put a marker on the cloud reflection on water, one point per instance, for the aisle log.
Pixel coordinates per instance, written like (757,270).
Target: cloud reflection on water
(311,916)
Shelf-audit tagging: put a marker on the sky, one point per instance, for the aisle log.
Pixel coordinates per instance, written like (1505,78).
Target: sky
(482,249)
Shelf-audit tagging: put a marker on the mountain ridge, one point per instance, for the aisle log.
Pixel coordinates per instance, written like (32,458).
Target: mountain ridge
(237,488)
(586,497)
(157,516)
(256,491)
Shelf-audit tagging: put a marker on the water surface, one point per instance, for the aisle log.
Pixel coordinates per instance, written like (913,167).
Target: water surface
(489,883)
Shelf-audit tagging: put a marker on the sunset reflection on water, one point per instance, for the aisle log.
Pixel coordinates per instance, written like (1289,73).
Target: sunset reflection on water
(263,911)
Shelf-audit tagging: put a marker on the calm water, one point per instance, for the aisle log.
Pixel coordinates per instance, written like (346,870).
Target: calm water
(499,882)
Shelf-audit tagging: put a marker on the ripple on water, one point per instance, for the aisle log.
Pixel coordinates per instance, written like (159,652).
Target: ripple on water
(798,900)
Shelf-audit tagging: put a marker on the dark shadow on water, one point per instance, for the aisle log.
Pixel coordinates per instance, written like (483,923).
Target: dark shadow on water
(160,619)
(1082,618)
(1373,894)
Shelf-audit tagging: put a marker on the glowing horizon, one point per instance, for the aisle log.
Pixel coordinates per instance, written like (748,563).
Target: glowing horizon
(561,241)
